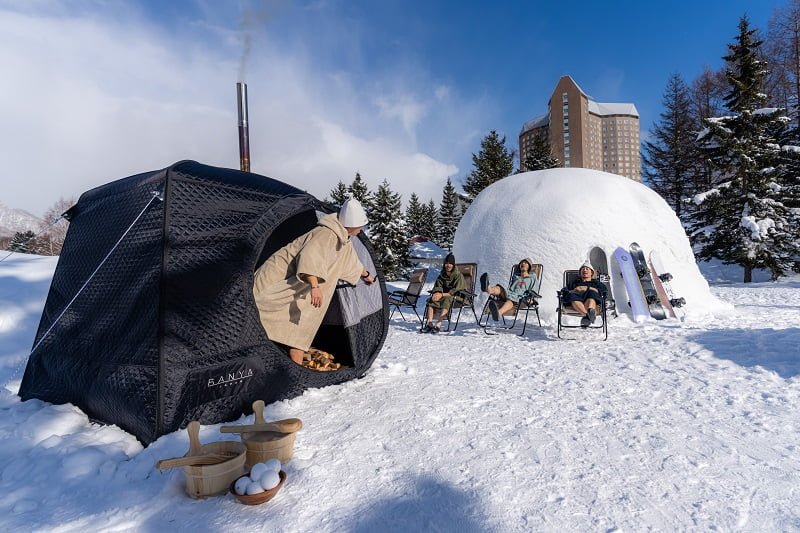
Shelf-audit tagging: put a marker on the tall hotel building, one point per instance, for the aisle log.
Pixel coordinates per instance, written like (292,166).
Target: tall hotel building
(587,134)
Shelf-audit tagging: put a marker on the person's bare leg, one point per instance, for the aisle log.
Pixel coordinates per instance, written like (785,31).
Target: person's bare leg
(297,355)
(579,307)
(507,306)
(442,316)
(591,304)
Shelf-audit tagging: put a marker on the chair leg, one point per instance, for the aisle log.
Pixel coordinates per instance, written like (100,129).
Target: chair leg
(524,322)
(484,314)
(558,327)
(458,317)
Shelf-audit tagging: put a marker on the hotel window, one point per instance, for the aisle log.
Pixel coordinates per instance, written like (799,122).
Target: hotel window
(564,97)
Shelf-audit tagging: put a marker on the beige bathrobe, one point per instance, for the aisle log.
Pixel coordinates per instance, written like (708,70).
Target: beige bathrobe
(284,300)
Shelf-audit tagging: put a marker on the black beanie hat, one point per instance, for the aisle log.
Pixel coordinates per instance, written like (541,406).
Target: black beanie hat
(450,259)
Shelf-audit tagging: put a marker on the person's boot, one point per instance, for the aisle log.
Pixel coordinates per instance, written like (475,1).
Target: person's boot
(484,282)
(585,321)
(591,315)
(493,310)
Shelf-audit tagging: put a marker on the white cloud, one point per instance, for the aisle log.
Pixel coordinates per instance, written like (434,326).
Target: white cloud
(88,99)
(404,107)
(442,92)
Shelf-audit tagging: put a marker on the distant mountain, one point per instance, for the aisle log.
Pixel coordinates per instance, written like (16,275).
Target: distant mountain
(14,220)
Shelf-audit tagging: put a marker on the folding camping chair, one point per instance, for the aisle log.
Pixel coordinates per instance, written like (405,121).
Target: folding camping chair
(462,299)
(611,304)
(565,309)
(529,302)
(409,297)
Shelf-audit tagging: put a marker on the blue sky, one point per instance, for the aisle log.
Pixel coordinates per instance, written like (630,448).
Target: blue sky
(397,90)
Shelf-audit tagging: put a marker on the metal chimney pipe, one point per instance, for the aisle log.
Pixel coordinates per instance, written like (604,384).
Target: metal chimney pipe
(244,131)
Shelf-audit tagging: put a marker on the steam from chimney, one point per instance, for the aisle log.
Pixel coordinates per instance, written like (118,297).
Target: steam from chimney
(251,20)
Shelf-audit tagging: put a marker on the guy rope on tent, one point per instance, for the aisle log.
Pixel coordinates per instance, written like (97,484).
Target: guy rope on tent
(156,195)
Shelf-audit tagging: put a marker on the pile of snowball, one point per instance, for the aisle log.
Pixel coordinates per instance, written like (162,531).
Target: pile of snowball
(263,476)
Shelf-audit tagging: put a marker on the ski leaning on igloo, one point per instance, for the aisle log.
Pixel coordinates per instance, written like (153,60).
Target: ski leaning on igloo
(557,216)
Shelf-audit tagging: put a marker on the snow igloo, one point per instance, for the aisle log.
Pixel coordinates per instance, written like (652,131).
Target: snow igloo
(557,216)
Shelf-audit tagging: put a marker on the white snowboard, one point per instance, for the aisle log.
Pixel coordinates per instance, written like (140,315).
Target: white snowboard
(639,309)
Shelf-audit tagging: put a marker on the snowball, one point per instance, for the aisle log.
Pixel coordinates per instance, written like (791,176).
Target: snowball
(254,488)
(241,485)
(273,464)
(257,470)
(270,479)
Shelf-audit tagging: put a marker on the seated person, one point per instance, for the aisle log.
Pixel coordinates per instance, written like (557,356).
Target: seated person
(584,293)
(523,282)
(449,282)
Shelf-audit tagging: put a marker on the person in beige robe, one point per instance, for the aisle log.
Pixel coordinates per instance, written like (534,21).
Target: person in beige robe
(295,286)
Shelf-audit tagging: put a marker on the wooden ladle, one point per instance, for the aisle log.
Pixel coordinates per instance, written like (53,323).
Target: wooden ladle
(195,456)
(193,429)
(288,425)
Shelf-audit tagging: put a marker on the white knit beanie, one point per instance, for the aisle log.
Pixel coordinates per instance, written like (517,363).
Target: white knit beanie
(352,214)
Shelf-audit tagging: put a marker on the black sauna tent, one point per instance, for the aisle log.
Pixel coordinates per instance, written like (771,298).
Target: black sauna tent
(167,330)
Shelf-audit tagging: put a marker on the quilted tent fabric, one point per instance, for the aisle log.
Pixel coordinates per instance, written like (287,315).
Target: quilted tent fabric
(167,330)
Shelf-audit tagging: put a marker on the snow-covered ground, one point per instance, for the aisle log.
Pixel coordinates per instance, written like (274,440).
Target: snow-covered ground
(666,426)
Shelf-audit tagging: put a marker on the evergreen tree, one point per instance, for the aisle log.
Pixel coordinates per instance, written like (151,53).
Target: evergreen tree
(23,242)
(669,160)
(428,216)
(387,231)
(743,219)
(448,217)
(708,100)
(359,190)
(339,194)
(539,156)
(493,163)
(414,213)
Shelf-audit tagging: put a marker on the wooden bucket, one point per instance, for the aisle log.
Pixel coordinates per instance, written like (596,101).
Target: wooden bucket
(211,480)
(265,445)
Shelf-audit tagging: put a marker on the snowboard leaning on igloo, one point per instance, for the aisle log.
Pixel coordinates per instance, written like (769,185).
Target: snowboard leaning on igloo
(646,281)
(597,257)
(662,279)
(632,286)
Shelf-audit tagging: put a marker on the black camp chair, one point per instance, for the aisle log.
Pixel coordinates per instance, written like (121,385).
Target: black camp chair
(611,304)
(409,297)
(565,309)
(462,299)
(529,302)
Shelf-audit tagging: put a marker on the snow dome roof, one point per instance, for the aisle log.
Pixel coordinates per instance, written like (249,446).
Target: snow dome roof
(556,216)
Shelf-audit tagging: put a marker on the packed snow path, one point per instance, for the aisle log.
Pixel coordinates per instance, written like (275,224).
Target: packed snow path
(666,426)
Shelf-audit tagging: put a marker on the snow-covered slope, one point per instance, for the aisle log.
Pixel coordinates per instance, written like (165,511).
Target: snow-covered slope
(666,426)
(14,220)
(556,216)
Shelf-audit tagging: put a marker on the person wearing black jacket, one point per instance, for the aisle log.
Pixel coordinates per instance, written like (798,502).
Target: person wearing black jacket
(585,293)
